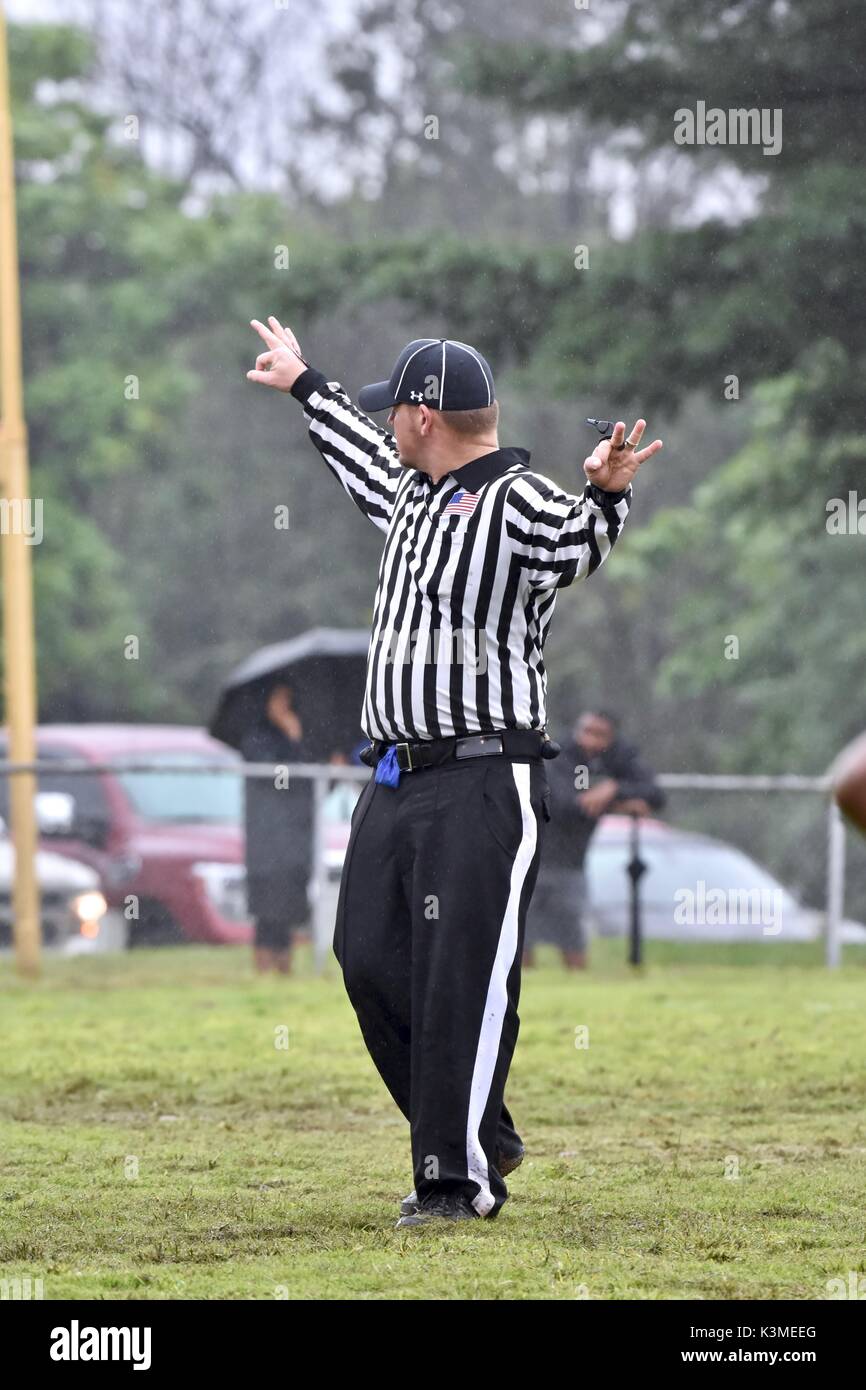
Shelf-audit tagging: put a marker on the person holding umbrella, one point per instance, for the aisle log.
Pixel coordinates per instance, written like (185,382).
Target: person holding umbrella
(446,835)
(278,841)
(289,702)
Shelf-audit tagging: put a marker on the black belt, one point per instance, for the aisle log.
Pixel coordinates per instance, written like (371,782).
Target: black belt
(508,743)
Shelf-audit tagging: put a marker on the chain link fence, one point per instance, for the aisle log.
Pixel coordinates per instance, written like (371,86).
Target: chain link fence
(788,824)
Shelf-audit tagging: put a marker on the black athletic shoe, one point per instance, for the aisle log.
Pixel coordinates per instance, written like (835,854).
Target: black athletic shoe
(506,1163)
(440,1207)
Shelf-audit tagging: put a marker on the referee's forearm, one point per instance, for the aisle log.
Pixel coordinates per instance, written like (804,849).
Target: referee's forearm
(361,456)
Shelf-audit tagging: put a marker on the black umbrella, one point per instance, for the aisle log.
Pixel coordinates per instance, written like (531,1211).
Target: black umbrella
(325,669)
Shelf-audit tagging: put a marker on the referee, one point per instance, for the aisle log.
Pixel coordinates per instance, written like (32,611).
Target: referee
(445,841)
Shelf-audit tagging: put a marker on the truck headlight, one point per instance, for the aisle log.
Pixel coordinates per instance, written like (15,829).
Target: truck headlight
(89,908)
(226,888)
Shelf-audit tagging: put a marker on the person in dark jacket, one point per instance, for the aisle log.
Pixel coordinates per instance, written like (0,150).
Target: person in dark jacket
(278,832)
(597,772)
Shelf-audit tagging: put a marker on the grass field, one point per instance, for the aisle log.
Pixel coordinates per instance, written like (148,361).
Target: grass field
(156,1143)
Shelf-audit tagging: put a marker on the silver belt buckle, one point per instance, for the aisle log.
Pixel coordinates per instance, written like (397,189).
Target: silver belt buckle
(479,746)
(409,767)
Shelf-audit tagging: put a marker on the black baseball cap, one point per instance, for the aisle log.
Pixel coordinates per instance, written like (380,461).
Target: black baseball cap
(438,372)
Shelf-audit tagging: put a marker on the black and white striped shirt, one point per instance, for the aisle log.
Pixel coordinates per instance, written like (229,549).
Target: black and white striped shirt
(466,590)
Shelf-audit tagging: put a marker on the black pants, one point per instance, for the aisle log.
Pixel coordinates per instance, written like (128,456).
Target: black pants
(438,876)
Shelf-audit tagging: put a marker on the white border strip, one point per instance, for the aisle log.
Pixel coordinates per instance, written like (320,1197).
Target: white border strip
(487,1052)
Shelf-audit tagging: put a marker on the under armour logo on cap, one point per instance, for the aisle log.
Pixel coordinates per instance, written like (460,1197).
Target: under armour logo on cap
(438,372)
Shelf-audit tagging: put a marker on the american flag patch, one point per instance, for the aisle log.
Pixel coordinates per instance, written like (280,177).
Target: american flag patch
(461,503)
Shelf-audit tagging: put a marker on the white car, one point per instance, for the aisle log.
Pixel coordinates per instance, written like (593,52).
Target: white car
(75,917)
(695,888)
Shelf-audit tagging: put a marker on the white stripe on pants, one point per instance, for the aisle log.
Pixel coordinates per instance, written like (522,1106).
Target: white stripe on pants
(496,1002)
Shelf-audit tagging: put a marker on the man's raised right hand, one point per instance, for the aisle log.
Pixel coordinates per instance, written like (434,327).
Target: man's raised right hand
(282,364)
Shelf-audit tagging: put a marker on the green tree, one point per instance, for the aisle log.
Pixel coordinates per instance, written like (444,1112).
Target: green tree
(101,398)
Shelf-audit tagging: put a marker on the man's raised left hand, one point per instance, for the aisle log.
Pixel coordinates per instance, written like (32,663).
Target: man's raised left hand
(614,462)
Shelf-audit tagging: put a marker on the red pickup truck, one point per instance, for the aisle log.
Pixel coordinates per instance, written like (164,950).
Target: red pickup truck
(168,846)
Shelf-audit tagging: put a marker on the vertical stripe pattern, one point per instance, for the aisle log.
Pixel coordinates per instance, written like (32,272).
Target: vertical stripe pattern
(496,1003)
(464,600)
